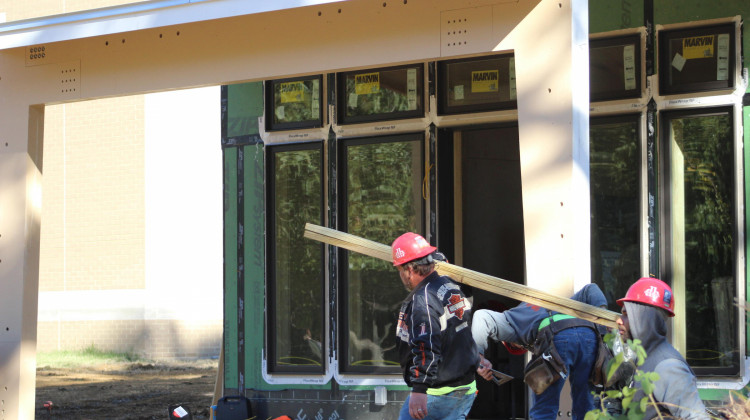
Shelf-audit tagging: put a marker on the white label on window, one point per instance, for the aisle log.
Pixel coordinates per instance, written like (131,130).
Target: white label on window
(411,88)
(458,92)
(628,60)
(678,62)
(352,102)
(315,106)
(512,73)
(722,57)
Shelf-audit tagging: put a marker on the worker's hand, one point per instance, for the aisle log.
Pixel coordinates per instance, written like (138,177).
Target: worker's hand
(418,405)
(485,368)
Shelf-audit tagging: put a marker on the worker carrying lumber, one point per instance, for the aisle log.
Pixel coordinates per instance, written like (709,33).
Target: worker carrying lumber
(564,347)
(645,309)
(437,352)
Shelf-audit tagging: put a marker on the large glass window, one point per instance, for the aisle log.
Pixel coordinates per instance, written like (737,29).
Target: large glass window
(381,199)
(615,217)
(698,154)
(296,298)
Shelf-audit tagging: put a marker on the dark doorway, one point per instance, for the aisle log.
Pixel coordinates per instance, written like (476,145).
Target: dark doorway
(480,199)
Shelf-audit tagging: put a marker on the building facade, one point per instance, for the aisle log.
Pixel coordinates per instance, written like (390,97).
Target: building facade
(550,143)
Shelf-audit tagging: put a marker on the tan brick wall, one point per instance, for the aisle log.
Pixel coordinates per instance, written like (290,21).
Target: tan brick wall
(158,339)
(93,211)
(29,9)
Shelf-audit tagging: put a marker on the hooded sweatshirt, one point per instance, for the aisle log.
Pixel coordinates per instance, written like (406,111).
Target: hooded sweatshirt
(676,390)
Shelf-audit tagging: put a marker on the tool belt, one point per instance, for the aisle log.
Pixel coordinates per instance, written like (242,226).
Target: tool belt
(547,367)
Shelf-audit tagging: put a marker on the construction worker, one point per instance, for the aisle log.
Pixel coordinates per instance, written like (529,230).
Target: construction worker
(434,336)
(645,309)
(571,348)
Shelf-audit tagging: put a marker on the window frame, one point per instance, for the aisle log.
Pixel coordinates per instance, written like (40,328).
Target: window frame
(343,260)
(341,97)
(664,60)
(666,231)
(273,366)
(443,82)
(611,95)
(270,105)
(636,119)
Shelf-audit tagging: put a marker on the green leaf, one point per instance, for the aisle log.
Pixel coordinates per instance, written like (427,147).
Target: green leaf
(643,404)
(647,386)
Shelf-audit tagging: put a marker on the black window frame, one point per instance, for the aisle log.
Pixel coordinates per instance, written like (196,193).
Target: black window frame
(665,66)
(665,178)
(343,256)
(442,89)
(270,105)
(614,119)
(616,94)
(341,97)
(273,365)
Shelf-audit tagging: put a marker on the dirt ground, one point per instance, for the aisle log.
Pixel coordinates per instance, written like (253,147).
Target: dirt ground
(134,390)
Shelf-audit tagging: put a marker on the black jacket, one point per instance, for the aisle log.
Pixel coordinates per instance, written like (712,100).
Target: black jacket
(435,343)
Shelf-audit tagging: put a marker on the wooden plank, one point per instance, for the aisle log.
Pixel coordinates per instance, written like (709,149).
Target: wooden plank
(472,278)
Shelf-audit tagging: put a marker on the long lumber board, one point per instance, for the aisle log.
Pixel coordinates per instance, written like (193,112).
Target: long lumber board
(469,277)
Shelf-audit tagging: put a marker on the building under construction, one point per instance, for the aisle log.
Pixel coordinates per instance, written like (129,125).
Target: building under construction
(549,143)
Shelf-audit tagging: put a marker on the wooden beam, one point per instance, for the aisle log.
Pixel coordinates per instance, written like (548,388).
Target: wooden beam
(469,277)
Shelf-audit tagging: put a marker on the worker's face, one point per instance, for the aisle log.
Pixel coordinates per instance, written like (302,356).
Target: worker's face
(624,325)
(405,274)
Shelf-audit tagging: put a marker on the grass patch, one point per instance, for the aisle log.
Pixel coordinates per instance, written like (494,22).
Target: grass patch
(86,357)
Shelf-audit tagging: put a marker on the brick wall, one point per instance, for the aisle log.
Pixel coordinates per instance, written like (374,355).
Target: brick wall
(159,339)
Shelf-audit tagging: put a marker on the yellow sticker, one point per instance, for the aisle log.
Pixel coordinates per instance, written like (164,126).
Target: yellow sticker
(698,47)
(484,80)
(292,92)
(366,83)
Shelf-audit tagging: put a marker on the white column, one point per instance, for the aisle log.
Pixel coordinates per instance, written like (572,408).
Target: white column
(553,103)
(20,210)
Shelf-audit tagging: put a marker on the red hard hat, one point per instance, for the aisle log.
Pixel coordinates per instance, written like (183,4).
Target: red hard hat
(409,247)
(650,291)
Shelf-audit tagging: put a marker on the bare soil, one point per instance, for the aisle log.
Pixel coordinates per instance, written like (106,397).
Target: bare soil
(134,390)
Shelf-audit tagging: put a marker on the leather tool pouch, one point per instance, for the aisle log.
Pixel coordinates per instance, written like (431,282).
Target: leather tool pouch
(603,358)
(547,367)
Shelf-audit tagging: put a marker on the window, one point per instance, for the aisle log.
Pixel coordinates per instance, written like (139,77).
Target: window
(295,266)
(381,198)
(375,95)
(615,68)
(700,262)
(484,84)
(294,103)
(693,60)
(615,162)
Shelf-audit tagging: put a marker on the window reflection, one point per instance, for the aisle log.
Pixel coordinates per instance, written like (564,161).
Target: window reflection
(615,216)
(298,299)
(702,222)
(383,198)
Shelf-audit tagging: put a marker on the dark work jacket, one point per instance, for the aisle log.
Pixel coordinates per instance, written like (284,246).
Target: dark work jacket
(434,336)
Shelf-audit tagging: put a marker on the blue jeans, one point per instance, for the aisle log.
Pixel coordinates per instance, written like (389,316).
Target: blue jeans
(455,405)
(577,347)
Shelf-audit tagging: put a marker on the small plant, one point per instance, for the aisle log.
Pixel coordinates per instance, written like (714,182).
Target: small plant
(631,410)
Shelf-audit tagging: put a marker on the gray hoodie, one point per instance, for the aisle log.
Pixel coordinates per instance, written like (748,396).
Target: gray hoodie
(676,388)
